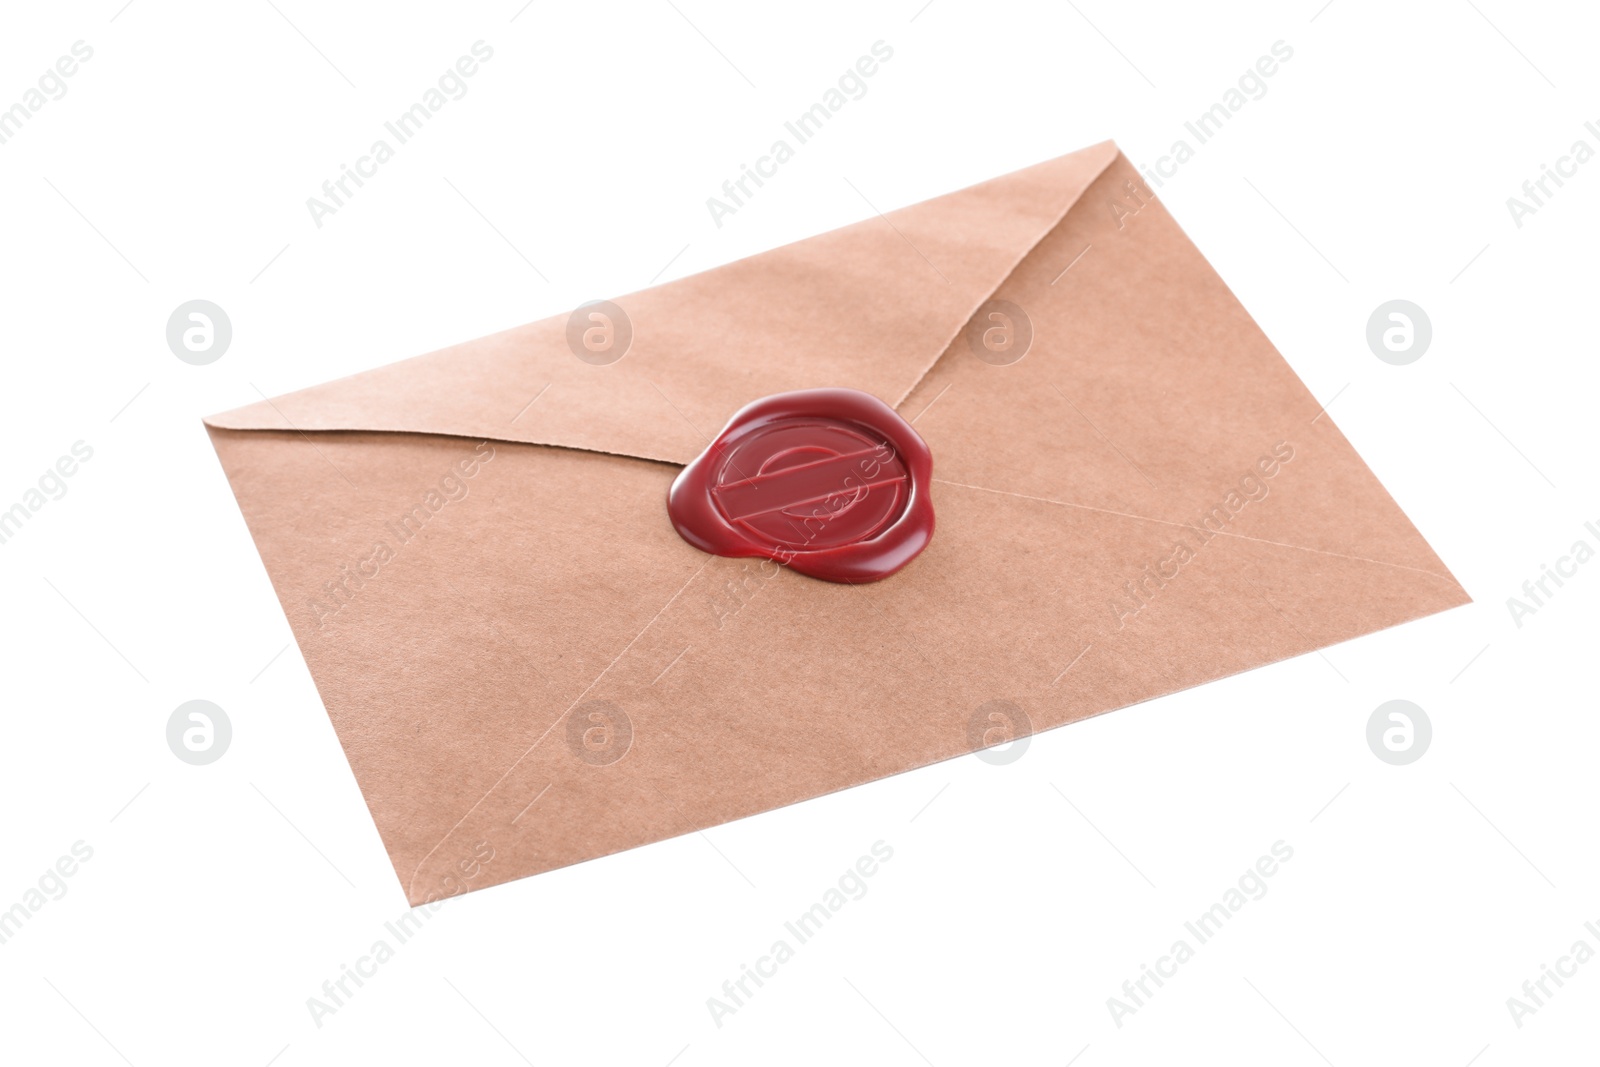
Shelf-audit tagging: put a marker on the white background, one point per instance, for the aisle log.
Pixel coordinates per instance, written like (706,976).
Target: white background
(220,898)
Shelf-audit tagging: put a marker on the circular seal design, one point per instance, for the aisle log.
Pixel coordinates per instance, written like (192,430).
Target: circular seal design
(830,482)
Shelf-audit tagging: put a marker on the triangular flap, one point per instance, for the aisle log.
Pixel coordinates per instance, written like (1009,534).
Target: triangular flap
(869,306)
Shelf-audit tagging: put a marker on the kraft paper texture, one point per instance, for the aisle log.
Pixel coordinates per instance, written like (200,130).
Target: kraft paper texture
(527,667)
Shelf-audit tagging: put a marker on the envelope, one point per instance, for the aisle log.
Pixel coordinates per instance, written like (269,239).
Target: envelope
(528,667)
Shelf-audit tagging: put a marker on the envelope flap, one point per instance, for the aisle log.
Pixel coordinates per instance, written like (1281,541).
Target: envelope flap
(872,305)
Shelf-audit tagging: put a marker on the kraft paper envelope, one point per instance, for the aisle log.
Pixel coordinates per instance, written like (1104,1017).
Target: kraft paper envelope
(528,667)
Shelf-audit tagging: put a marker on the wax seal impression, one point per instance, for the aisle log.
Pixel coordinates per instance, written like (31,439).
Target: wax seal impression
(832,483)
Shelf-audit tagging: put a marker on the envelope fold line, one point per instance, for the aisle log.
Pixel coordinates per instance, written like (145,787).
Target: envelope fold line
(212,425)
(1009,274)
(1218,533)
(410,885)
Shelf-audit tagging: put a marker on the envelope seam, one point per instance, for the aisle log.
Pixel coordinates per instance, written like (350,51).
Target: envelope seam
(558,720)
(1011,271)
(210,426)
(1218,533)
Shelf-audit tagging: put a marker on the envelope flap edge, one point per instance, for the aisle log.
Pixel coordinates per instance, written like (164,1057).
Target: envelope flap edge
(870,306)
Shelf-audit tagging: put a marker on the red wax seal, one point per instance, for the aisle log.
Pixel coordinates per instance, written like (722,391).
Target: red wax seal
(830,482)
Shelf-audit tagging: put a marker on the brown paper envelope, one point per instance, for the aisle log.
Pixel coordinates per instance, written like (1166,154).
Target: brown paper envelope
(527,667)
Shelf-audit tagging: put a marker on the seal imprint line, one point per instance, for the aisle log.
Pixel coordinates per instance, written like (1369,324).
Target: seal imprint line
(839,489)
